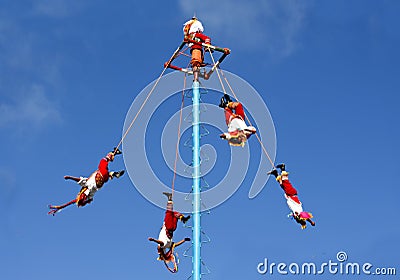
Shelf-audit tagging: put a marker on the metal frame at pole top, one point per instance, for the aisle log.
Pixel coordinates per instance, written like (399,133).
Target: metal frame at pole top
(196,230)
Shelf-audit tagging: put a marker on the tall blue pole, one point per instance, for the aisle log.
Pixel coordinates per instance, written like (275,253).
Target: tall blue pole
(196,230)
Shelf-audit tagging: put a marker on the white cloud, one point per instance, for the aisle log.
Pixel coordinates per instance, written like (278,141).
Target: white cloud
(29,78)
(32,108)
(57,8)
(269,25)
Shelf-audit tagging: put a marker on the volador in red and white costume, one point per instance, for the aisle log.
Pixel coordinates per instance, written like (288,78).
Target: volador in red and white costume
(238,130)
(292,199)
(95,181)
(193,30)
(170,224)
(89,186)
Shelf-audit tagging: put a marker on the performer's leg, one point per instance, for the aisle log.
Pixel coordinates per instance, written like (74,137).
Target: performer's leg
(273,172)
(311,222)
(76,179)
(169,197)
(183,218)
(281,166)
(239,110)
(116,174)
(196,71)
(170,220)
(238,107)
(228,114)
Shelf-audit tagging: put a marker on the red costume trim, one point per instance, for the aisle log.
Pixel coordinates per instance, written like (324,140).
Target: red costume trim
(171,221)
(229,114)
(103,169)
(199,37)
(288,188)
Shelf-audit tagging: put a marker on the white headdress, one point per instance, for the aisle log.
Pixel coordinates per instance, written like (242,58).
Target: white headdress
(195,26)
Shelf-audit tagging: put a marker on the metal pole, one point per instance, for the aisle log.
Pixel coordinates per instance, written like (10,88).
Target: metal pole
(196,230)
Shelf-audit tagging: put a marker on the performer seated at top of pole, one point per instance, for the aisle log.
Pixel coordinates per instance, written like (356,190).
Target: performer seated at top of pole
(170,224)
(193,30)
(292,199)
(238,131)
(89,186)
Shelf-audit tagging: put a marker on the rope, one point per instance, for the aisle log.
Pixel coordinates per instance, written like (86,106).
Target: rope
(231,89)
(179,133)
(219,77)
(144,102)
(182,52)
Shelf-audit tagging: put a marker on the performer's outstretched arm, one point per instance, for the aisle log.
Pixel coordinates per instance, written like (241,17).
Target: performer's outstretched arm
(55,208)
(159,242)
(182,241)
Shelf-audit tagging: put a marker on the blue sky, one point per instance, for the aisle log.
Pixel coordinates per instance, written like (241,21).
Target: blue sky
(327,70)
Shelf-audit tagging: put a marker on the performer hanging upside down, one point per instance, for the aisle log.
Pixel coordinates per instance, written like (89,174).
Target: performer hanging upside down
(291,197)
(193,30)
(89,186)
(164,240)
(238,131)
